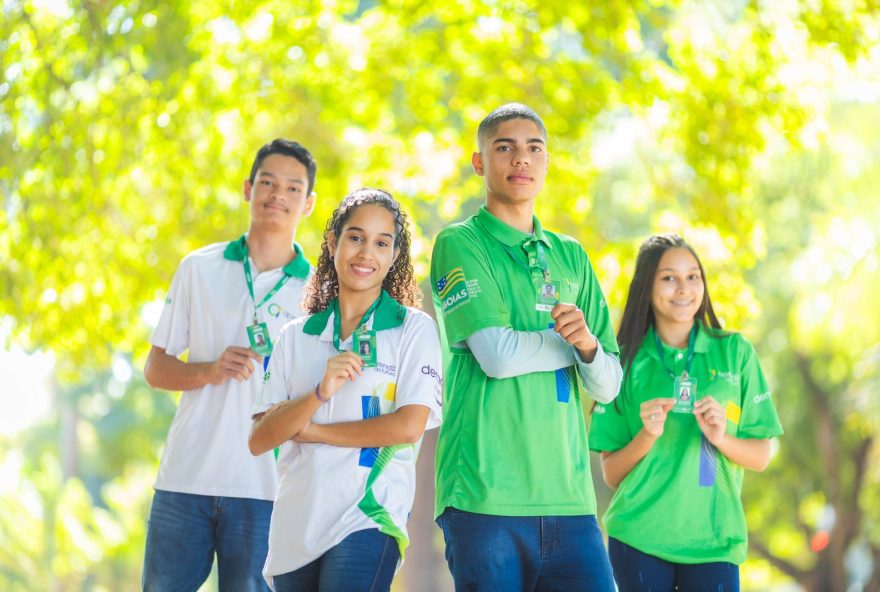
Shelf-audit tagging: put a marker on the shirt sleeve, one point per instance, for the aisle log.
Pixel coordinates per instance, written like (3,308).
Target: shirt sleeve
(420,377)
(592,301)
(466,293)
(172,331)
(602,376)
(609,429)
(503,352)
(275,387)
(758,417)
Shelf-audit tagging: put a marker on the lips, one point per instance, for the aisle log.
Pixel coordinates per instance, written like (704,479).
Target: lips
(519,178)
(362,270)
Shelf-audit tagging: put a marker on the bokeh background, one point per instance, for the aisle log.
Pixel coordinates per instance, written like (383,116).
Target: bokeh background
(751,127)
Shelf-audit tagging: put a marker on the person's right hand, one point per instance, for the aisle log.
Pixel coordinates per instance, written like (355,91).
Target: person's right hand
(653,414)
(340,369)
(234,363)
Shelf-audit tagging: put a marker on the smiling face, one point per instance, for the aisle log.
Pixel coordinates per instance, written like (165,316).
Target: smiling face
(364,250)
(513,159)
(678,288)
(278,194)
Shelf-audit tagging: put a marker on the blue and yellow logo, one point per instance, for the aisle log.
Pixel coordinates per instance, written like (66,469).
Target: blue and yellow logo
(452,290)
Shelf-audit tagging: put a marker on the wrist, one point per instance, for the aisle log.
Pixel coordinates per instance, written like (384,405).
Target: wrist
(647,438)
(589,351)
(318,394)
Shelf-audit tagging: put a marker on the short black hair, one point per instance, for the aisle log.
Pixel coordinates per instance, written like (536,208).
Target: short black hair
(505,113)
(286,148)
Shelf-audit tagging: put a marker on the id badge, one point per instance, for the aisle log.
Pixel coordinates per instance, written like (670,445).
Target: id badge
(685,393)
(547,295)
(258,335)
(365,346)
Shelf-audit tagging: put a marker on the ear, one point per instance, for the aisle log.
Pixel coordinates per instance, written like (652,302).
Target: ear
(396,255)
(477,162)
(331,244)
(247,189)
(311,200)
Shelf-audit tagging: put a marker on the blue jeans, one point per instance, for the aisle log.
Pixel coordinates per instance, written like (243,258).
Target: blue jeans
(540,553)
(184,532)
(363,562)
(639,572)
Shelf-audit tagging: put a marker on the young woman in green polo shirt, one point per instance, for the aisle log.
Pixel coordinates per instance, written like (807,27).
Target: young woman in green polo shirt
(694,411)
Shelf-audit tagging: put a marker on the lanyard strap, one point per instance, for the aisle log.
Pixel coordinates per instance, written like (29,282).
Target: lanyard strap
(692,340)
(337,320)
(541,256)
(250,284)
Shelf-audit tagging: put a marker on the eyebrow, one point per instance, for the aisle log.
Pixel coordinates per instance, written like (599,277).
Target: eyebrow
(359,229)
(289,179)
(695,268)
(513,141)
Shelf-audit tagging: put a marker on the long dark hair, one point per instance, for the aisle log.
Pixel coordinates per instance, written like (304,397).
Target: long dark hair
(638,314)
(323,286)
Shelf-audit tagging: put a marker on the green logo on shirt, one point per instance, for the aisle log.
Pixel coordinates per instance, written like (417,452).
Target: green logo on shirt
(452,290)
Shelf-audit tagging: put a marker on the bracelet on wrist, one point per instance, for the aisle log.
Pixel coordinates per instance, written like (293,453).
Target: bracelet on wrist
(318,393)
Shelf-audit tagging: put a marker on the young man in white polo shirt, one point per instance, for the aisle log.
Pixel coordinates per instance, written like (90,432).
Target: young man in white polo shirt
(226,305)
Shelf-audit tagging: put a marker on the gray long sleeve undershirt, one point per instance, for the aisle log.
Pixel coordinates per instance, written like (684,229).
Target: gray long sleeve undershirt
(503,353)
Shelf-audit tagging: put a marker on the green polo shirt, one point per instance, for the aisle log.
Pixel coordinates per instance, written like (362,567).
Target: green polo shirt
(681,502)
(513,446)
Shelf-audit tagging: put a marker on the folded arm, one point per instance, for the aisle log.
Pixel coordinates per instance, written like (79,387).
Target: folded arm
(404,426)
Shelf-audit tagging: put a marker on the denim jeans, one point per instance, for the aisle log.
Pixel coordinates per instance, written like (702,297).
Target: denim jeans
(363,562)
(186,530)
(639,572)
(530,553)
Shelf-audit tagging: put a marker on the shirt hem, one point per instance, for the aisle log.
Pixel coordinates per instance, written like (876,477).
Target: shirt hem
(213,492)
(679,558)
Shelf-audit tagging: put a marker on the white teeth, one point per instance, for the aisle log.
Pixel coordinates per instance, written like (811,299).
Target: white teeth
(361,269)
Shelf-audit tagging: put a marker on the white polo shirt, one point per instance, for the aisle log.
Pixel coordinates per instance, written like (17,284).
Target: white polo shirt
(326,492)
(207,309)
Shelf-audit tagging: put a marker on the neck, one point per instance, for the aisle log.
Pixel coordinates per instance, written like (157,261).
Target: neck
(270,250)
(518,216)
(674,334)
(352,306)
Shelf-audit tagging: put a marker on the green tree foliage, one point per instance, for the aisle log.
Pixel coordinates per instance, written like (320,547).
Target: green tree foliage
(126,130)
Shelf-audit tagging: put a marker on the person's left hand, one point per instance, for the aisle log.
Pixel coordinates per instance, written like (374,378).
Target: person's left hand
(712,419)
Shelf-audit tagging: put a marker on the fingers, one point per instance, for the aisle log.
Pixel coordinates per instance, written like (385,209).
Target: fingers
(237,363)
(344,367)
(571,325)
(561,309)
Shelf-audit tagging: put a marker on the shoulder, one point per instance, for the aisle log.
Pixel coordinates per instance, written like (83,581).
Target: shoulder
(466,229)
(207,255)
(731,341)
(418,319)
(569,245)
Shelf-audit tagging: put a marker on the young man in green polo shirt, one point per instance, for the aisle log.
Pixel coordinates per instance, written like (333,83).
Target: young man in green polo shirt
(521,315)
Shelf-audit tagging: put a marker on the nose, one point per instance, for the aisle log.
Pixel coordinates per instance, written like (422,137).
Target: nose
(521,158)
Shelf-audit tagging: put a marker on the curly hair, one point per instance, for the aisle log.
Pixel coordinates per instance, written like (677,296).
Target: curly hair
(400,283)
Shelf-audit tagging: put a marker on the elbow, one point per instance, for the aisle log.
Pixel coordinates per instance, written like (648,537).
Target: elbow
(605,396)
(761,464)
(256,448)
(150,375)
(255,444)
(496,368)
(410,434)
(611,483)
